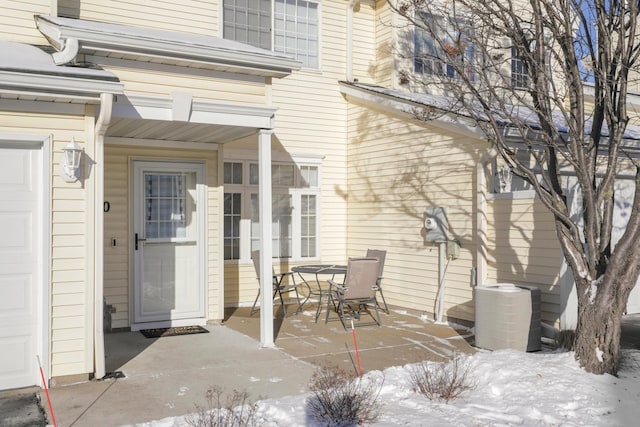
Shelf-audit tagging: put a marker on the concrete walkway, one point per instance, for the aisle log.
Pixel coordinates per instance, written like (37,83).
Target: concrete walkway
(168,377)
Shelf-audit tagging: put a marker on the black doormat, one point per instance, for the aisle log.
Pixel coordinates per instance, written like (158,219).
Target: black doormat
(172,332)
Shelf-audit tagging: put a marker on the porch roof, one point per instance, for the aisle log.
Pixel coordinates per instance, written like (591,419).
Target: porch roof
(28,72)
(73,36)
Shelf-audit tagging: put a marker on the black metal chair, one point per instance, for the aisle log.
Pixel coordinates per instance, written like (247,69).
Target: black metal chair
(280,285)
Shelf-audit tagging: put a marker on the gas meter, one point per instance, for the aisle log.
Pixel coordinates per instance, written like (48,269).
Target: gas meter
(436,224)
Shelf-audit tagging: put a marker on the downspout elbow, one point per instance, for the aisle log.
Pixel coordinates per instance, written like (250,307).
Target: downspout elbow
(67,53)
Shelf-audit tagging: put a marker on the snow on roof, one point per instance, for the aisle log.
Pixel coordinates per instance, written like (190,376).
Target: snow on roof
(155,34)
(444,103)
(24,58)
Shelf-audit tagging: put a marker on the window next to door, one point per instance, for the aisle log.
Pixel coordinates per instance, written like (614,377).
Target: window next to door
(288,27)
(295,201)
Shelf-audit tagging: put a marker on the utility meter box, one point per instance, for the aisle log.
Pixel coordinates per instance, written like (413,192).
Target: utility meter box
(436,224)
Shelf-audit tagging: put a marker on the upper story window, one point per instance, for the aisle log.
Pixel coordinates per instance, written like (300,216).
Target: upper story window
(446,51)
(519,70)
(295,214)
(288,27)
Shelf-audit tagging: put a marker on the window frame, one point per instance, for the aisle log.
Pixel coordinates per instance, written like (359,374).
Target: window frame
(426,51)
(308,61)
(519,70)
(296,191)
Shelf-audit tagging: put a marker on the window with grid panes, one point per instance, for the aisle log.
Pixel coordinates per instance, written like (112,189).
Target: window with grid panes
(453,41)
(519,70)
(295,196)
(288,27)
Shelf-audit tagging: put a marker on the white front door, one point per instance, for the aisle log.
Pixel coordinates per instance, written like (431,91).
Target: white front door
(21,253)
(169,261)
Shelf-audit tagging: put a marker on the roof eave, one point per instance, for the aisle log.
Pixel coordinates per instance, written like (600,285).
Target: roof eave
(88,40)
(69,87)
(407,108)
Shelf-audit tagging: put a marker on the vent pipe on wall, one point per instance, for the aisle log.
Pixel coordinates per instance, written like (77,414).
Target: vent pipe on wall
(351,8)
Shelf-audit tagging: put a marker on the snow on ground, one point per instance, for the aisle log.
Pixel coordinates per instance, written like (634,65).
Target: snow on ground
(512,389)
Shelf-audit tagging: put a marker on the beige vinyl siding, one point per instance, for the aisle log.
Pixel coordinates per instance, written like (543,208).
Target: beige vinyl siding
(187,16)
(71,292)
(117,225)
(523,249)
(396,169)
(158,80)
(16,20)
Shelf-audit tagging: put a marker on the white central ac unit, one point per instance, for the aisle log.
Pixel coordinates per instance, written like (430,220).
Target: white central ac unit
(508,316)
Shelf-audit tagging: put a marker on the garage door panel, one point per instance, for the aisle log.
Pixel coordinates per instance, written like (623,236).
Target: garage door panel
(15,296)
(17,174)
(17,238)
(21,284)
(16,362)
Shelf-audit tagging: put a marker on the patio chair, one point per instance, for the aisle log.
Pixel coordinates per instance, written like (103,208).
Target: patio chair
(280,286)
(357,294)
(381,255)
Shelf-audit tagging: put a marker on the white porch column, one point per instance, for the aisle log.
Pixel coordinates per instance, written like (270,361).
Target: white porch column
(266,260)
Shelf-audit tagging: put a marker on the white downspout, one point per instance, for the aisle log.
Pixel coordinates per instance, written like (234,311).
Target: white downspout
(481,203)
(351,7)
(102,124)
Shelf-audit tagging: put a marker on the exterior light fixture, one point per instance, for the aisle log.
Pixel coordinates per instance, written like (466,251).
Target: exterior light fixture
(70,161)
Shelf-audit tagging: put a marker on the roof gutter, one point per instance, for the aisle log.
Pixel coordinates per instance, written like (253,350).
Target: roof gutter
(60,85)
(71,39)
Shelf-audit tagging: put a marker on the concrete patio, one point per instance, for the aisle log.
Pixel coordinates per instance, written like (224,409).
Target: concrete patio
(168,376)
(403,338)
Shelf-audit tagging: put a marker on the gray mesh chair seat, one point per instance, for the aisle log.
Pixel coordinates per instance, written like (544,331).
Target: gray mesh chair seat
(357,295)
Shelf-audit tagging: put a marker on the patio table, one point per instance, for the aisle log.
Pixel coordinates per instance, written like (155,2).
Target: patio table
(316,270)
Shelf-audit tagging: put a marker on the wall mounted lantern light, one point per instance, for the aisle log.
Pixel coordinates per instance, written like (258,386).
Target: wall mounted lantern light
(70,161)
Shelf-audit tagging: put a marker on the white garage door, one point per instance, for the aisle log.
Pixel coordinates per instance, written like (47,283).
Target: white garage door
(20,264)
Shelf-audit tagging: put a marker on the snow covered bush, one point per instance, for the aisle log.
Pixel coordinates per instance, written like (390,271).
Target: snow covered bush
(340,399)
(234,411)
(442,381)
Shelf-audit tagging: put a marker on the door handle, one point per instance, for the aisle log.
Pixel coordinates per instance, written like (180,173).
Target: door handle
(138,239)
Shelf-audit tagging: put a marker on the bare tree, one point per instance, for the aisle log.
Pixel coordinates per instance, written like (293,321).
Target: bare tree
(549,76)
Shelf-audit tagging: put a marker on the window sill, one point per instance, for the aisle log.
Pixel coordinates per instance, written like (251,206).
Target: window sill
(526,194)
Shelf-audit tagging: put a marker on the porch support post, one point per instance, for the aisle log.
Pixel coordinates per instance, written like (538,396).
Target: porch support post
(266,260)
